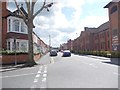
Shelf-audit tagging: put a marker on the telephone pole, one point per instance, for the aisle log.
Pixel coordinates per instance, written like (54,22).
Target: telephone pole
(49,43)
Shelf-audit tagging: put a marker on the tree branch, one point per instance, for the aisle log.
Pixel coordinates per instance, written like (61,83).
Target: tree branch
(32,7)
(43,6)
(26,4)
(24,17)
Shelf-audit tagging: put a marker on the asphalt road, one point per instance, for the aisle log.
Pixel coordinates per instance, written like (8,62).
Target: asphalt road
(64,72)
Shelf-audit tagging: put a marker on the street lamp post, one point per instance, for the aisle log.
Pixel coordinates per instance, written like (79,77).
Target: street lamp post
(15,51)
(49,43)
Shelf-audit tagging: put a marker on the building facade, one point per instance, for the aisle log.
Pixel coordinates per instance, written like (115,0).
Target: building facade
(114,18)
(14,31)
(15,37)
(101,38)
(70,45)
(92,39)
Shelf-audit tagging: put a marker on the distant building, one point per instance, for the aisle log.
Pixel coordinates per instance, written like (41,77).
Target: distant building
(63,46)
(76,45)
(70,45)
(93,39)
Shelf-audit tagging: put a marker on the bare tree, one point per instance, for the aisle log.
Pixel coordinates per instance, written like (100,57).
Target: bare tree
(28,19)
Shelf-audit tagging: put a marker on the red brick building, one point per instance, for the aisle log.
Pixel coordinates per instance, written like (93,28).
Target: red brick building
(101,41)
(15,37)
(0,25)
(106,37)
(70,45)
(93,39)
(114,18)
(76,45)
(13,29)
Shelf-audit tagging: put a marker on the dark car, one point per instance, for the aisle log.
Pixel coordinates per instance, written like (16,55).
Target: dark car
(66,53)
(53,53)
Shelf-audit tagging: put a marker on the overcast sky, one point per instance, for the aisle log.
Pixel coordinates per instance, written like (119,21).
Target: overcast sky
(67,18)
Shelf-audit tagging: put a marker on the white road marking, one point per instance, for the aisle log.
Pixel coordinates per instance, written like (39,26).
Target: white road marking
(84,62)
(45,71)
(18,75)
(42,87)
(42,72)
(52,60)
(40,68)
(35,80)
(33,87)
(44,75)
(39,72)
(38,75)
(44,80)
(93,65)
(45,68)
(116,74)
(7,69)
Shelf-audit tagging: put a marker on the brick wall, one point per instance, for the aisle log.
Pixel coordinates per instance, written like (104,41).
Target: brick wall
(114,19)
(4,25)
(0,25)
(22,58)
(10,59)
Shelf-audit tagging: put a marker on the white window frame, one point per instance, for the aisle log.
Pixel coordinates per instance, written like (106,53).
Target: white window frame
(21,22)
(21,41)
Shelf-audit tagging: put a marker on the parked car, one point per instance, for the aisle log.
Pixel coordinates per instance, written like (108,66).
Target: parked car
(53,53)
(66,53)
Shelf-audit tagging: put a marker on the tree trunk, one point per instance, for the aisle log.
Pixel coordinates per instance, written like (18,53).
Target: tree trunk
(31,61)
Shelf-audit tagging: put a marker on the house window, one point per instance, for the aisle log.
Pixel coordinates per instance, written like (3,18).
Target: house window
(24,46)
(113,9)
(16,25)
(8,46)
(13,46)
(23,27)
(17,46)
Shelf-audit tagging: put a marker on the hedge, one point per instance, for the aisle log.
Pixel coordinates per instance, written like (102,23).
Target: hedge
(112,54)
(12,53)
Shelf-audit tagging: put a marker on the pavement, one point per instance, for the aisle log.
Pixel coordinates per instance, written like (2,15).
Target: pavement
(98,57)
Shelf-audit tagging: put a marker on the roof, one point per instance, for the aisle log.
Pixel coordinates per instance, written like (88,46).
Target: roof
(104,26)
(15,13)
(109,4)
